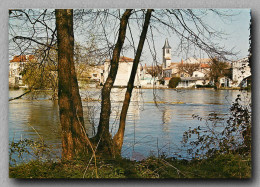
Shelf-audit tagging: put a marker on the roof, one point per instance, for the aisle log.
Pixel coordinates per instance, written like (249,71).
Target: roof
(198,60)
(203,65)
(173,64)
(193,78)
(241,60)
(123,59)
(166,44)
(167,78)
(22,58)
(204,60)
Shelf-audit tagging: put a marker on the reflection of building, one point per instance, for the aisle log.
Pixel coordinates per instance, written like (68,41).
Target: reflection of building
(166,118)
(123,73)
(117,98)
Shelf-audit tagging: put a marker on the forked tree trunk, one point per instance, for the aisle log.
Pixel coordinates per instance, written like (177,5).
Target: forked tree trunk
(119,137)
(103,136)
(70,106)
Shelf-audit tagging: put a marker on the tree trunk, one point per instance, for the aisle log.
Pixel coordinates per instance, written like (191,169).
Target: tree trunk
(118,138)
(103,136)
(70,106)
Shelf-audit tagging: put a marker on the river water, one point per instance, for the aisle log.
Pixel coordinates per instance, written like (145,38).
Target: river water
(155,123)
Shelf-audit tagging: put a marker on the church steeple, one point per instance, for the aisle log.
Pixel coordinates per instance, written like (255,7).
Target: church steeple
(167,56)
(166,44)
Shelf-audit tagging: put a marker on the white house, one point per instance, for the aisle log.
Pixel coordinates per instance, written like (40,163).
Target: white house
(240,71)
(198,74)
(16,66)
(225,82)
(146,79)
(124,72)
(188,82)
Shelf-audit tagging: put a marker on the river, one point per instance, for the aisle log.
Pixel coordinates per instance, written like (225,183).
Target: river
(155,123)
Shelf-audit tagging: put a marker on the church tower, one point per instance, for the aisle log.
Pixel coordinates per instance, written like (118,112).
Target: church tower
(167,56)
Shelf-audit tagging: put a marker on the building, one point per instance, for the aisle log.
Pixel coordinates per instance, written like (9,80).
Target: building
(90,75)
(240,72)
(167,66)
(16,66)
(188,82)
(123,73)
(149,76)
(167,55)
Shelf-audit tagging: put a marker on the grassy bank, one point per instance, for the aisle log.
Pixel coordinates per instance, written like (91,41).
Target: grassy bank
(221,166)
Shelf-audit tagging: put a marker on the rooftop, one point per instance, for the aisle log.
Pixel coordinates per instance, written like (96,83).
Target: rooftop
(122,59)
(22,58)
(166,44)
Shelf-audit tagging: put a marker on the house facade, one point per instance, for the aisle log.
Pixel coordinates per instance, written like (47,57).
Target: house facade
(124,72)
(16,66)
(240,72)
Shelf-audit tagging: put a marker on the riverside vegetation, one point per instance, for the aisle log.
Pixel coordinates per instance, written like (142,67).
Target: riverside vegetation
(220,149)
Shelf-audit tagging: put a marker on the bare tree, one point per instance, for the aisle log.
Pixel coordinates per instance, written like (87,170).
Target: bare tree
(119,137)
(154,71)
(70,106)
(187,24)
(188,68)
(103,134)
(217,70)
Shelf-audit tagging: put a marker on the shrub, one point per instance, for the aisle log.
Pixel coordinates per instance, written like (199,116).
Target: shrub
(220,135)
(174,81)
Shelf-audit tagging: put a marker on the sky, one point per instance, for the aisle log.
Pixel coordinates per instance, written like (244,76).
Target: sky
(236,29)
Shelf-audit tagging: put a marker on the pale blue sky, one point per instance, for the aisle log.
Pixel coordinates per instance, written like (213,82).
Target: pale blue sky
(236,29)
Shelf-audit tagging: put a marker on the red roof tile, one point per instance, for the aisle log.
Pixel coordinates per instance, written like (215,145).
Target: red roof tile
(22,58)
(123,59)
(204,65)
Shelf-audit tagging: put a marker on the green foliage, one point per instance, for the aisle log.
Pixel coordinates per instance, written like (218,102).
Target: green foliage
(221,166)
(174,81)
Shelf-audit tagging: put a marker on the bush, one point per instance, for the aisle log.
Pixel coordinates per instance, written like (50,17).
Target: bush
(205,86)
(174,82)
(220,135)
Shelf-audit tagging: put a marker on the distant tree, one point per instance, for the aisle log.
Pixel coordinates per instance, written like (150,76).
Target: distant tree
(217,70)
(41,74)
(188,68)
(174,81)
(154,71)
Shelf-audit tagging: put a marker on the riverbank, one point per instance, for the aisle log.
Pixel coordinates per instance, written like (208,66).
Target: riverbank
(221,166)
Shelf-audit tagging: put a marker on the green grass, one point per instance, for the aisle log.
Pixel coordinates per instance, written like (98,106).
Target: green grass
(222,166)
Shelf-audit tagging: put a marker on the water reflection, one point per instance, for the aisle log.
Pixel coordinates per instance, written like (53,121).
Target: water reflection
(28,118)
(149,128)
